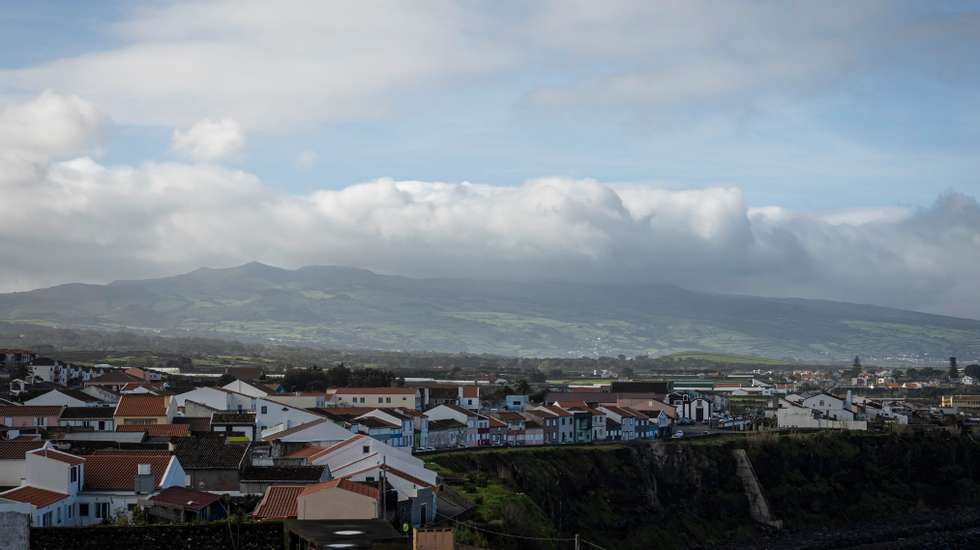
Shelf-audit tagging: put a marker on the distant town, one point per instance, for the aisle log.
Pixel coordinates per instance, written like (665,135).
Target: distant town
(88,444)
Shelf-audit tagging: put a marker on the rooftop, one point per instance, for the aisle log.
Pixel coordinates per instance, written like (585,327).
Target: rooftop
(142,405)
(185,498)
(59,456)
(210,452)
(117,472)
(33,495)
(233,417)
(87,413)
(278,502)
(308,474)
(157,430)
(30,410)
(374,391)
(15,450)
(345,484)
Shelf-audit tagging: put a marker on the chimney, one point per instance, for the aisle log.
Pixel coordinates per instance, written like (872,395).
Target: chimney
(143,483)
(848,401)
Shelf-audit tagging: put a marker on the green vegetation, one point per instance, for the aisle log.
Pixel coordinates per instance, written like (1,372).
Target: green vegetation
(721,358)
(678,494)
(355,309)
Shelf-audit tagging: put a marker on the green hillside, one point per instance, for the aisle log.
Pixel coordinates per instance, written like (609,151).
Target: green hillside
(350,308)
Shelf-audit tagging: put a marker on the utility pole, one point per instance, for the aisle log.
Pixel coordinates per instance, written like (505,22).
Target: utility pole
(578,543)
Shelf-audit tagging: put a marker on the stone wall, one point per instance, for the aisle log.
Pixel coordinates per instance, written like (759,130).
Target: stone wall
(14,530)
(212,536)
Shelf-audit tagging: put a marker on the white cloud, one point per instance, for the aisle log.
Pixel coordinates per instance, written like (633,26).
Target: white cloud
(209,140)
(269,65)
(80,220)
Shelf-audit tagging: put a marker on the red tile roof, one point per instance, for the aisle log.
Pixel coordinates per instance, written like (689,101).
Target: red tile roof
(345,484)
(33,495)
(158,430)
(142,405)
(59,456)
(15,450)
(186,498)
(278,502)
(30,410)
(375,391)
(558,410)
(471,391)
(113,472)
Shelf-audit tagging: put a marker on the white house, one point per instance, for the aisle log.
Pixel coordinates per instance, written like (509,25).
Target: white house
(13,460)
(65,398)
(477,426)
(795,415)
(246,388)
(272,416)
(361,458)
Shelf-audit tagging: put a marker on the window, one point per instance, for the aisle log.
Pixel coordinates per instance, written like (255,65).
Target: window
(380,400)
(46,519)
(59,514)
(101,425)
(83,510)
(369,478)
(74,474)
(366,449)
(387,400)
(265,410)
(469,401)
(69,507)
(130,507)
(40,421)
(102,510)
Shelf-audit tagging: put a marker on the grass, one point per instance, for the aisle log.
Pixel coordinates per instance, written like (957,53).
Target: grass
(723,358)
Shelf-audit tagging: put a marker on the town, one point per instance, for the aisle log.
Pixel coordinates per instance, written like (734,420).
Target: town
(97,444)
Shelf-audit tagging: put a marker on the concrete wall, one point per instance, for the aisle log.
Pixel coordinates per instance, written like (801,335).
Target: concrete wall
(336,503)
(245,536)
(16,530)
(11,472)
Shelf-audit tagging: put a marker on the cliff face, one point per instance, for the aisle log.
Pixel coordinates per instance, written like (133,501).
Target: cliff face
(678,494)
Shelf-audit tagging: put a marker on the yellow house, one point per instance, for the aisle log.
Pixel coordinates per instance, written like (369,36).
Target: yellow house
(377,397)
(144,409)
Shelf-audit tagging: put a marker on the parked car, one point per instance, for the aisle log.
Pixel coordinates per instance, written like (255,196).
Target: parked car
(677,435)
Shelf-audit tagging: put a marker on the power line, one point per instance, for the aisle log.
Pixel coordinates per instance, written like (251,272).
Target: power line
(522,537)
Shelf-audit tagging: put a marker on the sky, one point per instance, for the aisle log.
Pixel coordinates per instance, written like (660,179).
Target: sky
(813,149)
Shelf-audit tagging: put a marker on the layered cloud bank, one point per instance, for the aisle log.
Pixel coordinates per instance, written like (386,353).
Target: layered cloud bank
(66,217)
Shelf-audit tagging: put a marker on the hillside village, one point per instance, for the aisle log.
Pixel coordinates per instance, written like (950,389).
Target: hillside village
(97,444)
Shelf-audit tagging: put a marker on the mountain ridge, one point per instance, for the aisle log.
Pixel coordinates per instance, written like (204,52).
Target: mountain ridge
(347,307)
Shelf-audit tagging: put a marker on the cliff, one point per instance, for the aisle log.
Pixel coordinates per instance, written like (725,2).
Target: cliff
(688,493)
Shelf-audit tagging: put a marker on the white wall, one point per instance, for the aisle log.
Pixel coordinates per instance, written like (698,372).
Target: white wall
(214,398)
(55,398)
(269,414)
(48,474)
(12,472)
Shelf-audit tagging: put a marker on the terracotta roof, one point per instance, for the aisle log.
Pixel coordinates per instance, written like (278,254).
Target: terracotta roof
(114,472)
(85,413)
(558,410)
(185,498)
(344,484)
(471,391)
(278,502)
(59,456)
(30,410)
(497,423)
(157,430)
(142,405)
(17,449)
(636,413)
(33,495)
(375,391)
(509,416)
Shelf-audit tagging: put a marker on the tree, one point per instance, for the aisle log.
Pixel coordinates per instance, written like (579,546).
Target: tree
(523,388)
(972,370)
(954,372)
(626,372)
